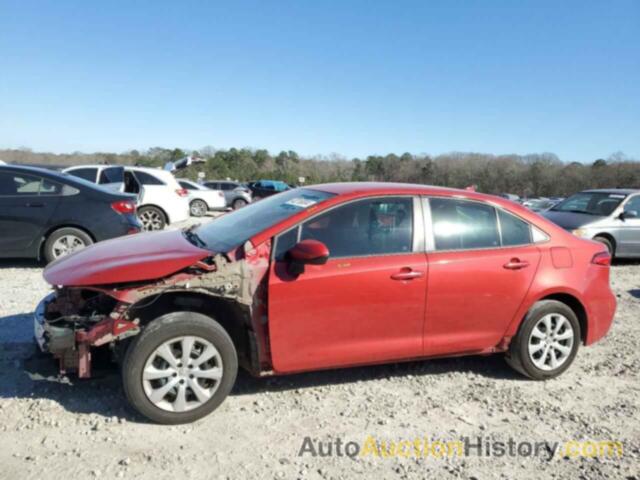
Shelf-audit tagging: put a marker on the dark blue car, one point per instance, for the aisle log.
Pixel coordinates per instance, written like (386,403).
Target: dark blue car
(46,214)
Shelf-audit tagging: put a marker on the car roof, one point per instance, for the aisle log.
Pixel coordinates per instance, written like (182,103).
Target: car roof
(626,191)
(57,176)
(35,170)
(126,167)
(347,188)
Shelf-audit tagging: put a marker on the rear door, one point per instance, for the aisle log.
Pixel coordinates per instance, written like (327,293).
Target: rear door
(482,261)
(366,304)
(27,202)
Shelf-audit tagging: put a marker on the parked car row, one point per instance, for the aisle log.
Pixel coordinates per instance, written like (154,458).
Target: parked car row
(46,214)
(608,216)
(161,199)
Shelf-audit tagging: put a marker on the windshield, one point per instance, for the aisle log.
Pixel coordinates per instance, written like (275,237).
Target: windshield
(235,228)
(591,203)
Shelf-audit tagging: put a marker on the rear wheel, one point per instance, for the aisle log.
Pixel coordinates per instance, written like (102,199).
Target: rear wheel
(547,341)
(152,218)
(65,241)
(180,368)
(198,208)
(607,243)
(239,203)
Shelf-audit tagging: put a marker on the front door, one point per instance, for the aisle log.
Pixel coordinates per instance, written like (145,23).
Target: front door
(366,304)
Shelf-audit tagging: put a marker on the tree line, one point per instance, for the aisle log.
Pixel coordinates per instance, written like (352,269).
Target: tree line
(525,175)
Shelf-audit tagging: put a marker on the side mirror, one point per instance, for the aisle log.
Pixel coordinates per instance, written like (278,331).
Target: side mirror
(628,214)
(306,252)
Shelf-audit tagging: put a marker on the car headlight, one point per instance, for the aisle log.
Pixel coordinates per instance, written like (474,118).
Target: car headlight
(579,232)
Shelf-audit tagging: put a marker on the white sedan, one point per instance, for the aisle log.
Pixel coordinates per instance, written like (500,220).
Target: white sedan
(202,199)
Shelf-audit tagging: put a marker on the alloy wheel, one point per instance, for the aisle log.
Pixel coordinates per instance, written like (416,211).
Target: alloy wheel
(151,220)
(198,208)
(182,374)
(67,244)
(551,342)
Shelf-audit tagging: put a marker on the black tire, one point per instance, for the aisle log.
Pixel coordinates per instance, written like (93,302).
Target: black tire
(51,250)
(239,203)
(198,208)
(152,218)
(607,243)
(162,329)
(518,355)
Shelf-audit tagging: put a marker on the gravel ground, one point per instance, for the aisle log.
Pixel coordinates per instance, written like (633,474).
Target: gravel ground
(52,427)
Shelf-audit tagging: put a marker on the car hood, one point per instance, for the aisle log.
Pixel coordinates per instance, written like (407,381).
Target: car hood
(570,220)
(144,256)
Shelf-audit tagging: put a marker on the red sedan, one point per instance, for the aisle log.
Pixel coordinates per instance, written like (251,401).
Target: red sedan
(327,276)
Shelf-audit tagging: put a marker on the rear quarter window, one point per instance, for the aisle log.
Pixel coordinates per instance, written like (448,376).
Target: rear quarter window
(514,231)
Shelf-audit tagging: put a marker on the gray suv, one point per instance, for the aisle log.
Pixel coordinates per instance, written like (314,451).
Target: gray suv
(236,194)
(609,216)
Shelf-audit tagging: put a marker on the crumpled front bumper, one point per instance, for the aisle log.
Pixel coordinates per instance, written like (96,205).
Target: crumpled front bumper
(47,335)
(70,341)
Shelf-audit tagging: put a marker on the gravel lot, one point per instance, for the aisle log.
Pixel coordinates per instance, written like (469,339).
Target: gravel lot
(50,426)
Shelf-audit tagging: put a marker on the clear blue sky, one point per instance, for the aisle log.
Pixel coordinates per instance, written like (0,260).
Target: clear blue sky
(351,77)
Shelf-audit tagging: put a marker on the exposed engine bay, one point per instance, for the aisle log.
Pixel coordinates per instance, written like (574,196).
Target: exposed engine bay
(72,321)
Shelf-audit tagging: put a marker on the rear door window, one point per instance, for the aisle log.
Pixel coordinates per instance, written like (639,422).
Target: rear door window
(111,175)
(463,224)
(17,184)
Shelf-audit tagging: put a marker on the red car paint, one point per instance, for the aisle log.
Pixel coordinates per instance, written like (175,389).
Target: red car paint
(373,309)
(146,256)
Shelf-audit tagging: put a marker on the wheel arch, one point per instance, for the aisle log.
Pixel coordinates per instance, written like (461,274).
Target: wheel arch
(576,306)
(609,237)
(234,318)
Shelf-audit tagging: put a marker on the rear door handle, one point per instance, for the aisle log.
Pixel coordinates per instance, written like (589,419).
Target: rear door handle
(34,204)
(407,274)
(516,264)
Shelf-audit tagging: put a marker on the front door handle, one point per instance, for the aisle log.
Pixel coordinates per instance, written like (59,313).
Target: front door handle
(516,264)
(34,204)
(407,274)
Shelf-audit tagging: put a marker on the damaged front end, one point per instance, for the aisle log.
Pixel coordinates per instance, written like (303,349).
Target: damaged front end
(70,321)
(73,320)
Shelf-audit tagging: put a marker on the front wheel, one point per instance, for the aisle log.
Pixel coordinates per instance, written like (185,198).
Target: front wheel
(547,341)
(180,368)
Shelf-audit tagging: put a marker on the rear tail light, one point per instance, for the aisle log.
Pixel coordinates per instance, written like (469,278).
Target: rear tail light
(182,192)
(602,258)
(124,207)
(133,230)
